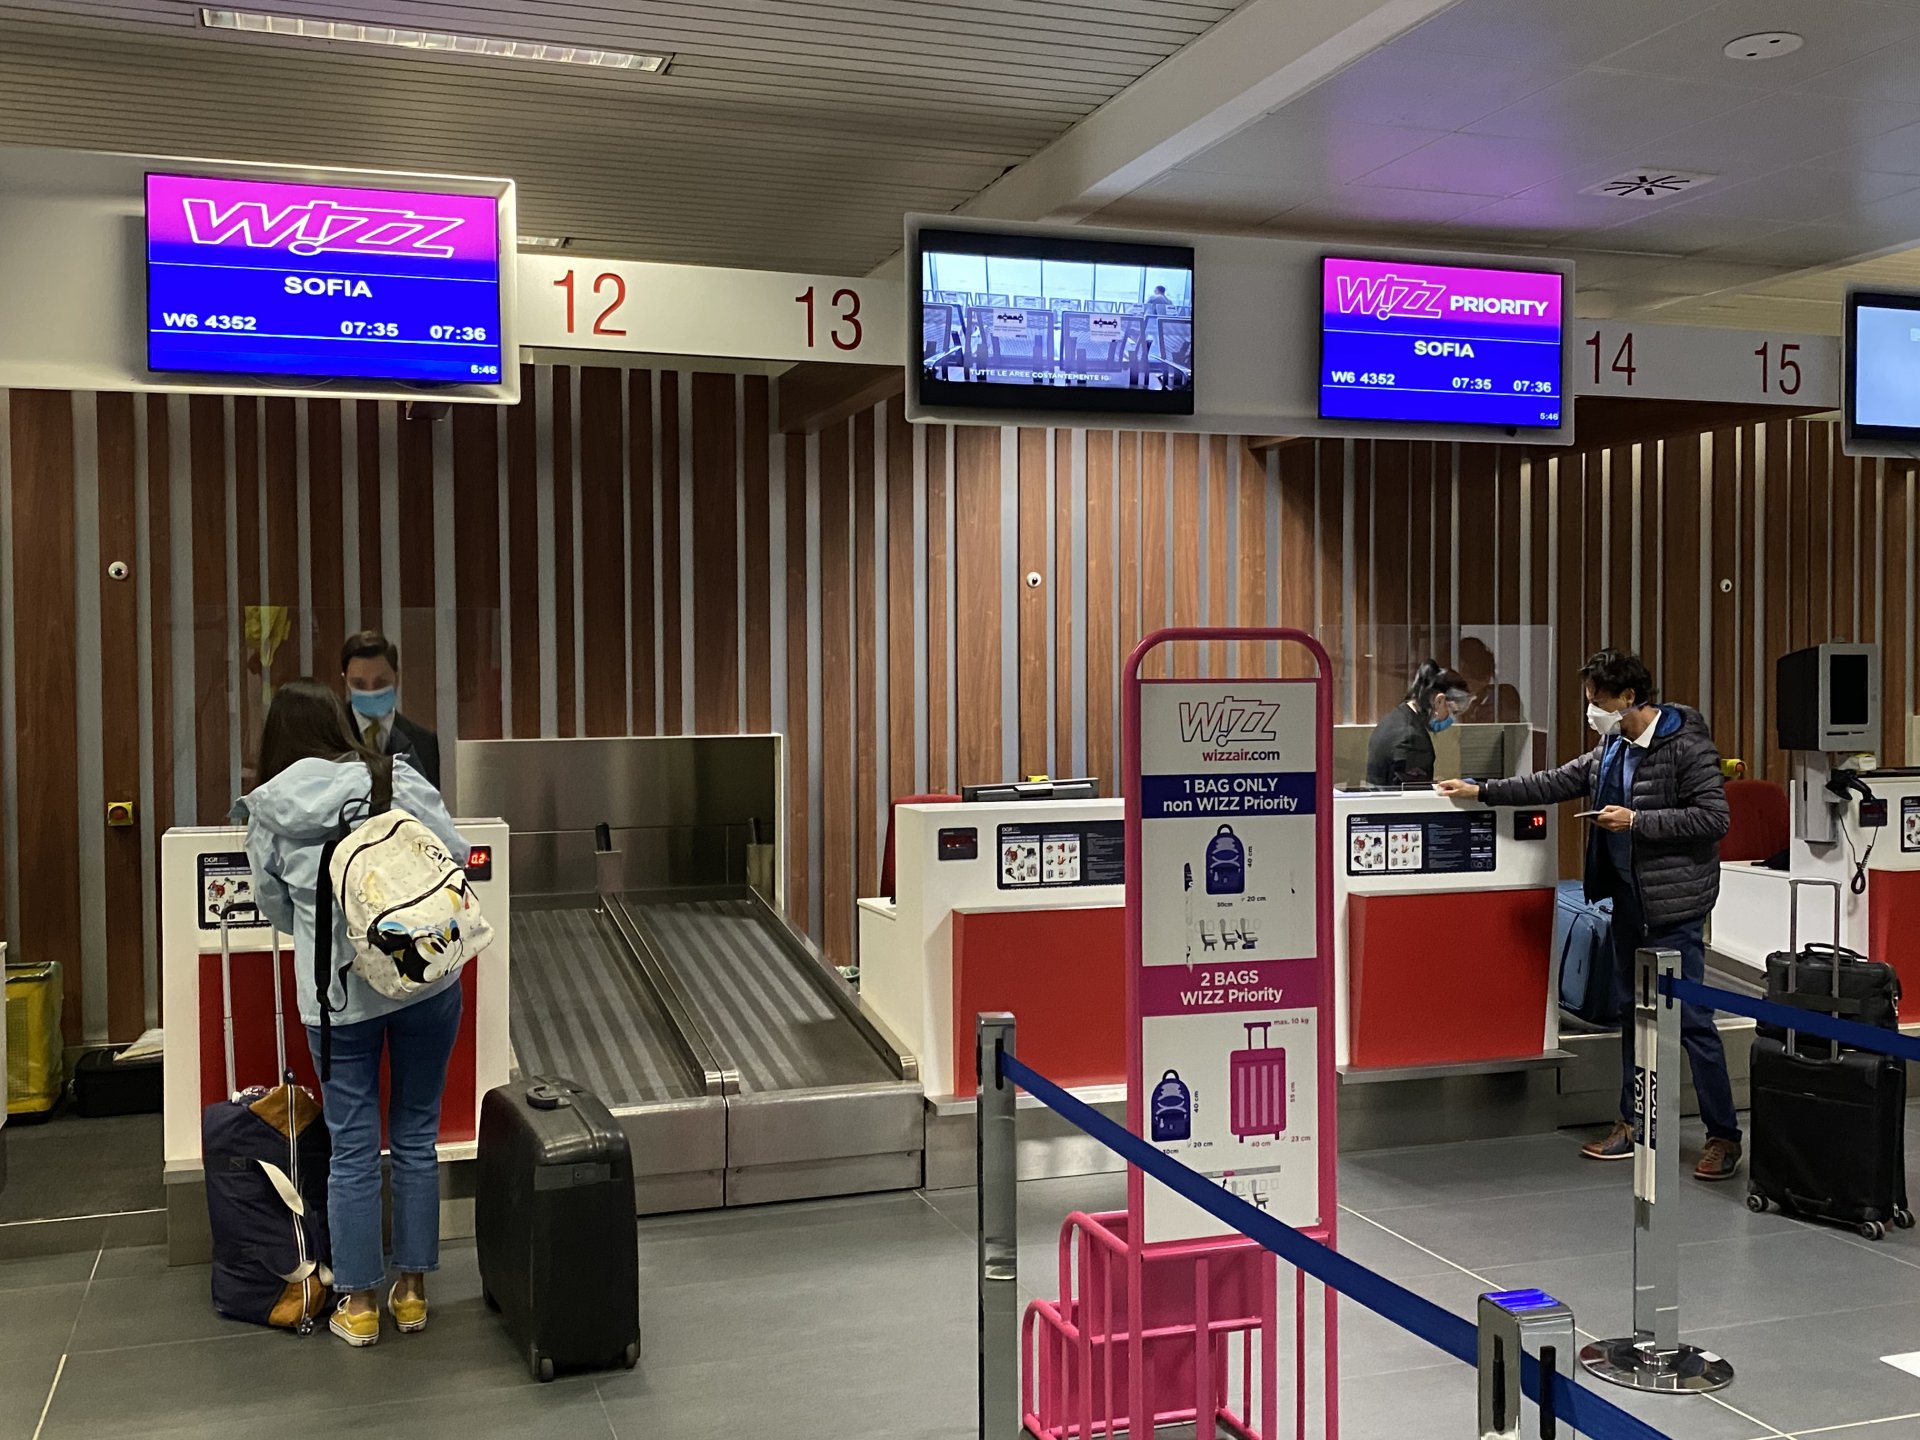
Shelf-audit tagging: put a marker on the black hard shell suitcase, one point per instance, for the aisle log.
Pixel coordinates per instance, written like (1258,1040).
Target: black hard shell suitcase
(554,1226)
(1829,1130)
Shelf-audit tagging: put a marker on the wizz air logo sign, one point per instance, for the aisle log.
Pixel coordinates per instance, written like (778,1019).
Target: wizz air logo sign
(1387,297)
(1228,720)
(321,227)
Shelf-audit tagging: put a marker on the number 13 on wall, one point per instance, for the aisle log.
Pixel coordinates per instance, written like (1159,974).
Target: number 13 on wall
(844,328)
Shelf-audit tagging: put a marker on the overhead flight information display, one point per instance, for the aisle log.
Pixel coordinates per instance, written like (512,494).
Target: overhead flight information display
(262,278)
(1441,344)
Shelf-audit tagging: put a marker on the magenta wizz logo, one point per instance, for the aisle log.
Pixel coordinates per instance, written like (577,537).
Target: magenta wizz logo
(320,227)
(1389,296)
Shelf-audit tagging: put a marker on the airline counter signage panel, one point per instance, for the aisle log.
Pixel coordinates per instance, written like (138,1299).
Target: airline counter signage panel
(1229,985)
(1441,344)
(254,277)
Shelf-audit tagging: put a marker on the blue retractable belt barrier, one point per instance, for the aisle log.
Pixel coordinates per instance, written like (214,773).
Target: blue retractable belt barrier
(1586,1411)
(1793,1017)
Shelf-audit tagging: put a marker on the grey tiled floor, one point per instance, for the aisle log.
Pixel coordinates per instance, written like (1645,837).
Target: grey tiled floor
(850,1319)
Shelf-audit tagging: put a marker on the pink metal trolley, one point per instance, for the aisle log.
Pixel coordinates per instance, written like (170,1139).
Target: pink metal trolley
(1151,1329)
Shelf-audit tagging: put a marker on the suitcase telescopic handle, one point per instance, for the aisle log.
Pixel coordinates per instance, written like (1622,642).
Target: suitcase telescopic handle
(1793,948)
(226,996)
(547,1097)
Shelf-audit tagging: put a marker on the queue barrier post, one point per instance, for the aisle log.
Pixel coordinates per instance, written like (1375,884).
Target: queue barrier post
(1653,1359)
(996,1200)
(1515,1323)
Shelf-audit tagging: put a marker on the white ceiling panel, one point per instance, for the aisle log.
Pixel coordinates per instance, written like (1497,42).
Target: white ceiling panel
(1836,31)
(1399,86)
(1285,147)
(1490,165)
(1783,129)
(1789,194)
(1570,33)
(1628,109)
(788,133)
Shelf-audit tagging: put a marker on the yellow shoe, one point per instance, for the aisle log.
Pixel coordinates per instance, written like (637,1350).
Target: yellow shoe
(358,1329)
(409,1311)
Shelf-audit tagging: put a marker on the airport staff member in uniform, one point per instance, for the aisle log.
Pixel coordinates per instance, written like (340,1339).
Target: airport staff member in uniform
(370,666)
(1400,751)
(1654,792)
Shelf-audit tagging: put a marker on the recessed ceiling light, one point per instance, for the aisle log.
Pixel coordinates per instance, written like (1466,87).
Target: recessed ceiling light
(544,242)
(1764,45)
(1648,183)
(489,47)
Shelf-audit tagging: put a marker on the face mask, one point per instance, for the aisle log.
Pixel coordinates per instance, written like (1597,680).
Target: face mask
(1436,726)
(1605,723)
(372,704)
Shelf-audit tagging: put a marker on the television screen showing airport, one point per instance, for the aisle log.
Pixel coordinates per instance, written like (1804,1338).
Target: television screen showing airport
(262,278)
(1441,344)
(1071,324)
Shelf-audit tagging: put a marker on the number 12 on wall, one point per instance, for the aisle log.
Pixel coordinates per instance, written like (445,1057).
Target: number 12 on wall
(609,287)
(845,331)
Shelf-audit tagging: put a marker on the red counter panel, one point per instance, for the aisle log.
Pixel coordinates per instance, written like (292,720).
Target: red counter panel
(1447,977)
(1063,975)
(253,1051)
(1893,923)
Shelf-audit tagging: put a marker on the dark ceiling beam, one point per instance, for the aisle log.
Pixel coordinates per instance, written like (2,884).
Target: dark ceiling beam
(815,394)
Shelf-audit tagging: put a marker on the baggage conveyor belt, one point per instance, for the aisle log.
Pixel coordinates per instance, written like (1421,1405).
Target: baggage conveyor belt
(741,1065)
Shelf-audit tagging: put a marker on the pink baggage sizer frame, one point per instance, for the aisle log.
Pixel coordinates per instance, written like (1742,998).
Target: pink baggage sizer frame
(1136,1317)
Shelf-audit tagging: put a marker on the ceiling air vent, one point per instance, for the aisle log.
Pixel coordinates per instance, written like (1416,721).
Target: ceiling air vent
(1648,184)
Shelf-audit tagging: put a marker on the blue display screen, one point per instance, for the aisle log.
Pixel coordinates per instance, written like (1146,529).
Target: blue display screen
(255,277)
(1441,344)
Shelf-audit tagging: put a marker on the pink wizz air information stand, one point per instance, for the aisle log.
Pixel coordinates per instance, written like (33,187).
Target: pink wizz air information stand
(1229,834)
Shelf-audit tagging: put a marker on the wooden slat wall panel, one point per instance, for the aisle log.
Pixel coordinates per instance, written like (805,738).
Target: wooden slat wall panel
(325,478)
(1679,676)
(206,427)
(1103,641)
(716,563)
(672,713)
(1250,605)
(902,733)
(759,580)
(125,909)
(798,784)
(564,557)
(476,561)
(160,608)
(1220,601)
(940,762)
(46,743)
(641,497)
(1033,558)
(866,662)
(1156,578)
(1569,636)
(1060,594)
(367,472)
(837,740)
(1726,652)
(418,638)
(1188,546)
(1843,613)
(976,562)
(603,554)
(1170,529)
(251,681)
(1131,561)
(1295,496)
(523,555)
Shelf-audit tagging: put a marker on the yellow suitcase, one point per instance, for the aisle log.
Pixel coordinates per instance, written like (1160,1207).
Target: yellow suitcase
(36,1060)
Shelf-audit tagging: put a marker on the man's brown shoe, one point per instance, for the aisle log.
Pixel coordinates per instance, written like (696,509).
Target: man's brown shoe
(1721,1160)
(1618,1144)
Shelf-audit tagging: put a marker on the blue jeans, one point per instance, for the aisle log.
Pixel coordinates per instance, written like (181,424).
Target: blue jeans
(418,1041)
(1699,1037)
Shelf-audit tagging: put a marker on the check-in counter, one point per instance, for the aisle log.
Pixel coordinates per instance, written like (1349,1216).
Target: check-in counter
(1019,907)
(1443,934)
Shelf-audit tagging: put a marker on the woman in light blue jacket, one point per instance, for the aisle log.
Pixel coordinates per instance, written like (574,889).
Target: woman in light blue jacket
(314,785)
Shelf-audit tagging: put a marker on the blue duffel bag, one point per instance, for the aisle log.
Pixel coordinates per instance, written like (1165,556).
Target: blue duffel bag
(1583,946)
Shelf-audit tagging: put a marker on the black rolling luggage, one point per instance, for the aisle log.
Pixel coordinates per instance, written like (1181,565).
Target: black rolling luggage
(554,1226)
(1829,1136)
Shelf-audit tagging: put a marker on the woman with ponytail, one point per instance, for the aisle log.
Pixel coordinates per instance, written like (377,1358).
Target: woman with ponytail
(1401,750)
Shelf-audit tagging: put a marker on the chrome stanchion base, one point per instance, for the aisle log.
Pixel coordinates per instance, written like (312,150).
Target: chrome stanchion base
(1686,1371)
